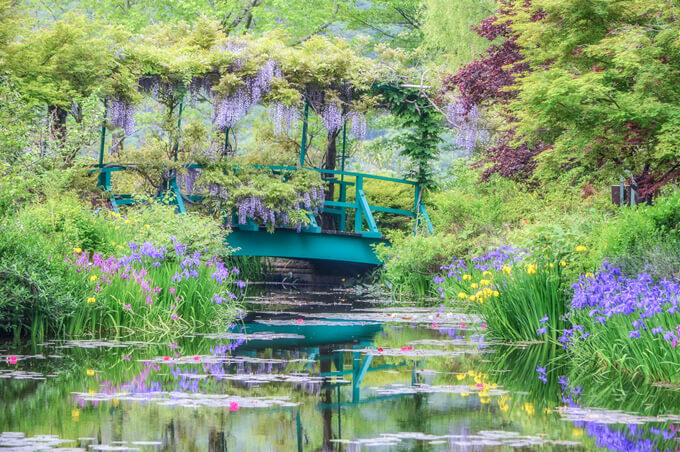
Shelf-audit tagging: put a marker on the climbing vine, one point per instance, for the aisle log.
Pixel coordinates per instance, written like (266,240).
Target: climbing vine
(422,125)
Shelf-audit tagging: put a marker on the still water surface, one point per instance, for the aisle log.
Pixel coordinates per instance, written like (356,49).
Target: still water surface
(320,371)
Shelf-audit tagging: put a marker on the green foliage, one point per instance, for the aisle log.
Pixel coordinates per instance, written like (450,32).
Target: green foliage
(158,223)
(469,218)
(410,261)
(602,91)
(422,127)
(281,192)
(117,303)
(525,296)
(67,62)
(614,353)
(37,288)
(44,295)
(387,194)
(447,29)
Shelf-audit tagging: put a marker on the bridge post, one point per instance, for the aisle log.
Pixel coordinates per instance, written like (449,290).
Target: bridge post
(303,143)
(343,190)
(358,217)
(101,178)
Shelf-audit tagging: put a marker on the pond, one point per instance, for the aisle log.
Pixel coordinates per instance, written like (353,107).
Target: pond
(323,371)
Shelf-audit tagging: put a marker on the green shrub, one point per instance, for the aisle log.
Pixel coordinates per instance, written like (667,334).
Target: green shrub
(37,288)
(410,261)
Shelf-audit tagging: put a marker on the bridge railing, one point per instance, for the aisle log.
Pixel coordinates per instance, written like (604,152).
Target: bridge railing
(341,207)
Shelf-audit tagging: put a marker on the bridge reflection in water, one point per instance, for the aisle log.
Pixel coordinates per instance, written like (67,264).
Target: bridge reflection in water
(336,350)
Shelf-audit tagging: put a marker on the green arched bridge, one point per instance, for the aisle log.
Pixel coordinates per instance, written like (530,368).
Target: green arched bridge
(340,245)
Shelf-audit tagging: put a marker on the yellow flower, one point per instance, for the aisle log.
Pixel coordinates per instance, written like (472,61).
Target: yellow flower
(89,372)
(147,226)
(589,275)
(484,400)
(93,278)
(486,273)
(484,282)
(460,376)
(464,394)
(506,270)
(529,408)
(577,432)
(127,221)
(580,249)
(474,285)
(495,293)
(91,391)
(551,265)
(531,269)
(75,414)
(563,264)
(77,250)
(343,280)
(116,402)
(91,300)
(462,295)
(113,243)
(466,277)
(472,298)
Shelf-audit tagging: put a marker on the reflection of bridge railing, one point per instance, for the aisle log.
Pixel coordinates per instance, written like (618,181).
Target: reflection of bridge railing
(340,207)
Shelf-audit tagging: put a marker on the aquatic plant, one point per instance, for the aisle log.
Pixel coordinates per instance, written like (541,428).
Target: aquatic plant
(514,292)
(154,290)
(626,323)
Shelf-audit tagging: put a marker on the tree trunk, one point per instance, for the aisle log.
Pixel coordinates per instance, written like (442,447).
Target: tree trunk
(117,139)
(58,117)
(328,219)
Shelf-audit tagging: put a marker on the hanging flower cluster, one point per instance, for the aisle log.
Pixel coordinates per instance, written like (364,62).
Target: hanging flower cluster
(283,116)
(122,115)
(232,107)
(255,209)
(464,120)
(263,196)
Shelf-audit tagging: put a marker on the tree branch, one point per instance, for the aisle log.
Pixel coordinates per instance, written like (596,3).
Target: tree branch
(321,28)
(410,20)
(242,15)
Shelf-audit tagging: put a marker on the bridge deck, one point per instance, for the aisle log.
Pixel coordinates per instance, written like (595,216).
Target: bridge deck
(288,243)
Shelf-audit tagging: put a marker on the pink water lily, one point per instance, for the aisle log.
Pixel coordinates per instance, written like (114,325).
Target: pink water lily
(233,406)
(12,359)
(299,320)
